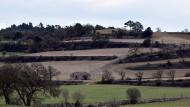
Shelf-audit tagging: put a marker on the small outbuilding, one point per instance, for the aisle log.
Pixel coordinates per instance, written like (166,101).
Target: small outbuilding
(80,76)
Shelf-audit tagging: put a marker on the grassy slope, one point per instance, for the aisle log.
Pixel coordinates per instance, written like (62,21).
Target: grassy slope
(182,103)
(101,93)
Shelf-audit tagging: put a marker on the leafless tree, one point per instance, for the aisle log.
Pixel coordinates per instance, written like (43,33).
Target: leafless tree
(158,29)
(139,76)
(171,75)
(65,94)
(78,97)
(134,51)
(106,76)
(31,79)
(7,73)
(122,73)
(158,76)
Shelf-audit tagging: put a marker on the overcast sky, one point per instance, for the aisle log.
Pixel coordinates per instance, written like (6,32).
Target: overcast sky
(169,15)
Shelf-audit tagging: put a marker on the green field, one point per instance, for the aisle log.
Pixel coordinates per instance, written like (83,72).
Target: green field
(182,103)
(101,93)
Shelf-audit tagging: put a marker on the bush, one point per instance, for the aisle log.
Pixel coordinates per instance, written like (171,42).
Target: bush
(157,44)
(134,95)
(187,75)
(15,101)
(169,64)
(4,53)
(146,43)
(78,97)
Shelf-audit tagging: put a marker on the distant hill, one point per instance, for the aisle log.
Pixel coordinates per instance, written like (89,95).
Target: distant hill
(172,37)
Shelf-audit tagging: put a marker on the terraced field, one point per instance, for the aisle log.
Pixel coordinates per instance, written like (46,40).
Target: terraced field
(90,52)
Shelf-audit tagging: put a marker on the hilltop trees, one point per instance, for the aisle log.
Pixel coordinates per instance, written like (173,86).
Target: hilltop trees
(99,27)
(129,24)
(29,38)
(158,29)
(135,27)
(27,30)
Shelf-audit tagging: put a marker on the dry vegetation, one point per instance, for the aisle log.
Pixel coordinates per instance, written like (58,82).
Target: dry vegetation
(177,38)
(91,52)
(148,73)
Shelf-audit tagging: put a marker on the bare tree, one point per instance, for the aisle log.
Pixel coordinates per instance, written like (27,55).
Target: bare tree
(52,72)
(158,76)
(158,29)
(121,73)
(30,80)
(167,50)
(106,76)
(65,94)
(139,76)
(134,51)
(171,75)
(78,97)
(7,73)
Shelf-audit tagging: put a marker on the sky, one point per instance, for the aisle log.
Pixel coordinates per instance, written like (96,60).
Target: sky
(169,15)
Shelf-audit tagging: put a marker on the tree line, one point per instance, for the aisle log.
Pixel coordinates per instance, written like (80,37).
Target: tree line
(50,37)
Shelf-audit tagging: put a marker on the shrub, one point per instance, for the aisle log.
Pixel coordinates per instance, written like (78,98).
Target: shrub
(157,44)
(4,53)
(134,95)
(187,75)
(78,97)
(147,43)
(169,64)
(65,94)
(15,101)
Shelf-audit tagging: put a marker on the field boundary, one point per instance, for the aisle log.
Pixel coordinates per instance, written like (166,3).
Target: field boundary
(22,59)
(119,102)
